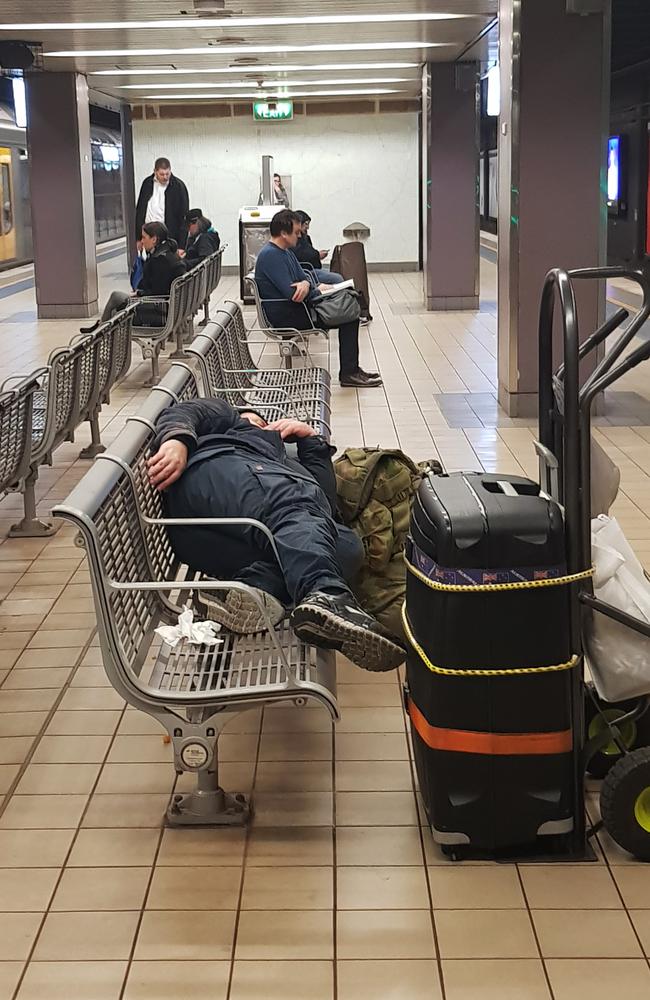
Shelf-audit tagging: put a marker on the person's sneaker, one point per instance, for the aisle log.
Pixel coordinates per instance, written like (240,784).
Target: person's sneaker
(339,623)
(238,611)
(359,380)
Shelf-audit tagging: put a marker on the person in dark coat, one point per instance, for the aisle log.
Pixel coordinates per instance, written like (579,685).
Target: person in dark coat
(307,253)
(163,198)
(161,267)
(213,461)
(202,239)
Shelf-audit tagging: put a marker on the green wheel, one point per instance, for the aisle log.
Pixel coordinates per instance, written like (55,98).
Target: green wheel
(625,803)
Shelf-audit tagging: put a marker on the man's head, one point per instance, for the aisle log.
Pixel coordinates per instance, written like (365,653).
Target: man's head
(196,222)
(285,229)
(162,170)
(253,418)
(305,220)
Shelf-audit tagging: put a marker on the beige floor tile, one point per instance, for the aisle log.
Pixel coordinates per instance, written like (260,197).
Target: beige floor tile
(384,845)
(25,889)
(504,979)
(90,677)
(376,809)
(485,934)
(297,720)
(277,934)
(140,749)
(585,934)
(293,809)
(135,778)
(91,699)
(634,885)
(71,749)
(355,746)
(131,811)
(200,888)
(395,888)
(55,779)
(301,776)
(64,980)
(21,723)
(569,887)
(114,848)
(373,776)
(8,774)
(172,980)
(390,980)
(492,887)
(43,658)
(101,889)
(10,973)
(59,638)
(293,747)
(85,936)
(14,749)
(384,934)
(282,981)
(299,888)
(48,677)
(34,848)
(17,934)
(209,847)
(138,724)
(641,921)
(83,723)
(371,720)
(40,700)
(369,696)
(185,935)
(575,979)
(292,846)
(43,812)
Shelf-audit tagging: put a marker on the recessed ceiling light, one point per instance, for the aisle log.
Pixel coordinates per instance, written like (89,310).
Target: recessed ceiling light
(247,49)
(267,83)
(243,63)
(237,22)
(264,94)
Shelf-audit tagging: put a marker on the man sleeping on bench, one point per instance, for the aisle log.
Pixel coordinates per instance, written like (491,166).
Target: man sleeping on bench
(212,460)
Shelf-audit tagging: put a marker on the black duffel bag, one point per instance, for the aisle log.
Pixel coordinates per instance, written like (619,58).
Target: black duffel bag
(336,308)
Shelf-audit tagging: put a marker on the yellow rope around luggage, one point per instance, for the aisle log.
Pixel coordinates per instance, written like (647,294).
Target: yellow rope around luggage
(450,672)
(459,588)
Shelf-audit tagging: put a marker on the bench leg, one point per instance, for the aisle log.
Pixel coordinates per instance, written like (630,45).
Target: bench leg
(95,447)
(31,526)
(286,353)
(155,368)
(181,338)
(206,313)
(208,805)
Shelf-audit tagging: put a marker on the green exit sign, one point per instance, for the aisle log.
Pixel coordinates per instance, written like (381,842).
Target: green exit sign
(275,111)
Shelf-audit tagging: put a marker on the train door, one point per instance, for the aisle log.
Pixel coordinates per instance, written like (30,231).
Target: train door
(7,216)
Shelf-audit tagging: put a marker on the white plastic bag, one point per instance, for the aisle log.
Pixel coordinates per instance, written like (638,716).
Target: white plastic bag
(199,633)
(618,657)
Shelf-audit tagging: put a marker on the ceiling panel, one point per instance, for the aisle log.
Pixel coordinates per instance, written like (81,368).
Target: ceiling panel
(454,35)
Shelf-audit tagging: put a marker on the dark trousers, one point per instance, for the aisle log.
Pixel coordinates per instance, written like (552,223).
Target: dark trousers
(146,313)
(296,316)
(314,552)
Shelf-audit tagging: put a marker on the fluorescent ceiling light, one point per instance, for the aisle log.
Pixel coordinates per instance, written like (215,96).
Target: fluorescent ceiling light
(263,95)
(274,68)
(237,22)
(267,83)
(243,50)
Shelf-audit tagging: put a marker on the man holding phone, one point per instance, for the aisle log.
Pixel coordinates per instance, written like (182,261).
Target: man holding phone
(308,254)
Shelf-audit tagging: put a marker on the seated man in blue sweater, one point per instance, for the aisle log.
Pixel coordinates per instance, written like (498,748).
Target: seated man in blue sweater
(280,277)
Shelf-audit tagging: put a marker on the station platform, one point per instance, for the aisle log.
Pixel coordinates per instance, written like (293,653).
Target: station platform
(337,883)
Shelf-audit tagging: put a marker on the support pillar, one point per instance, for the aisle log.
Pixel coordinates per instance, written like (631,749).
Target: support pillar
(61,184)
(128,182)
(554,59)
(450,157)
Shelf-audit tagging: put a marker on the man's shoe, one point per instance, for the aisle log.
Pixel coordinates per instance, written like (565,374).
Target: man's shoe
(238,612)
(360,371)
(339,623)
(359,380)
(364,320)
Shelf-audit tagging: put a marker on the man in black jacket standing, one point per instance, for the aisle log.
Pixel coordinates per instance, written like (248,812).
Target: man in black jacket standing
(163,198)
(213,461)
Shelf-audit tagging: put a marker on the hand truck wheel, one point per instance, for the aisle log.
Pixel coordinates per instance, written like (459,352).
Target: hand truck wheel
(625,803)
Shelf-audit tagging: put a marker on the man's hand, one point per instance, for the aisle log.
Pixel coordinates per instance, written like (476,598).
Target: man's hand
(324,288)
(288,427)
(303,289)
(168,464)
(181,253)
(323,254)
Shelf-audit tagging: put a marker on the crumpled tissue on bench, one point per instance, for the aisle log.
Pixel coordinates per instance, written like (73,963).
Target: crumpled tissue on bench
(200,633)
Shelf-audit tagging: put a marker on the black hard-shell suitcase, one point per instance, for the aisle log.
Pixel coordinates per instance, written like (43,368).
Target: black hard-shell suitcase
(349,260)
(493,745)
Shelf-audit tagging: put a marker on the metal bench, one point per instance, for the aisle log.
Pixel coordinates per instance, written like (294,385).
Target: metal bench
(138,584)
(293,343)
(69,390)
(213,265)
(16,410)
(220,377)
(188,294)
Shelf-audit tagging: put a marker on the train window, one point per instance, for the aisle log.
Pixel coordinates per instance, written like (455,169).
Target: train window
(7,208)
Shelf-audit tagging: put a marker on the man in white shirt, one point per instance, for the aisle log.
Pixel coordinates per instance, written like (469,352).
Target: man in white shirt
(163,198)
